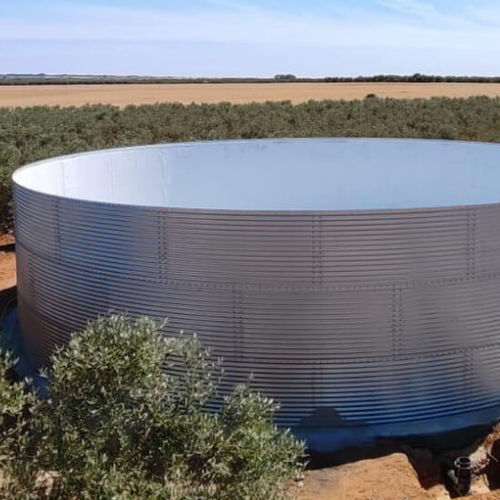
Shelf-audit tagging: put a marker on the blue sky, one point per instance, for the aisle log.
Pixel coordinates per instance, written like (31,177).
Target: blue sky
(243,38)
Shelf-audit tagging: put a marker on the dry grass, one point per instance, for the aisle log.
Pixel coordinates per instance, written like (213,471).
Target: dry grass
(123,94)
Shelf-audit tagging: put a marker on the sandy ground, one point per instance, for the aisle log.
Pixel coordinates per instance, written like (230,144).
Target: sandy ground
(7,264)
(390,477)
(123,94)
(399,471)
(386,478)
(7,270)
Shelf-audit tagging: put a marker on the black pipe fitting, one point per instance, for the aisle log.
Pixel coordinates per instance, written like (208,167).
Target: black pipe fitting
(461,475)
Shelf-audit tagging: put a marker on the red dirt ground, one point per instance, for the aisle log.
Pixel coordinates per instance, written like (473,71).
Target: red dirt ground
(7,263)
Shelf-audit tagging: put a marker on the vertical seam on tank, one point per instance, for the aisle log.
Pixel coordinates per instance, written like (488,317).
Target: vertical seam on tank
(468,372)
(103,279)
(320,248)
(161,223)
(471,243)
(316,281)
(238,344)
(57,235)
(470,273)
(316,252)
(400,317)
(313,251)
(396,320)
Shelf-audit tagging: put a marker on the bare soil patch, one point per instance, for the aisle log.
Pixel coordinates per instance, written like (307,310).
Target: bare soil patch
(386,478)
(7,270)
(398,470)
(6,239)
(237,93)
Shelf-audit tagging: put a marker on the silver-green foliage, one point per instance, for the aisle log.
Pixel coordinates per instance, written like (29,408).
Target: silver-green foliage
(17,405)
(116,426)
(12,394)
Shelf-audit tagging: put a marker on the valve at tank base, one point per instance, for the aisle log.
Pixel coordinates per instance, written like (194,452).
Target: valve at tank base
(461,475)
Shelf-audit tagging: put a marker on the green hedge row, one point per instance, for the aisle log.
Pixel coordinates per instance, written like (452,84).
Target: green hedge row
(39,132)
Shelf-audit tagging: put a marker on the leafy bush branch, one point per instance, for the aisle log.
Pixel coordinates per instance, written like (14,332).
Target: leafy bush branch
(115,426)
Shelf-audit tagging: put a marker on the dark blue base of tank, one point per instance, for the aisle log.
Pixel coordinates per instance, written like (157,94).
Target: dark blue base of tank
(318,439)
(12,341)
(329,439)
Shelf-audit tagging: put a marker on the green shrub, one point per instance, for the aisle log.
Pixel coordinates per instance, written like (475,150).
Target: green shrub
(12,394)
(16,408)
(115,426)
(31,134)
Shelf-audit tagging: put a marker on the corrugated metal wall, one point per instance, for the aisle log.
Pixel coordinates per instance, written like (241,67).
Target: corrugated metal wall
(343,317)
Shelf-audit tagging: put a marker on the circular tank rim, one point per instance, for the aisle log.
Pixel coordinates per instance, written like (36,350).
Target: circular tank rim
(237,211)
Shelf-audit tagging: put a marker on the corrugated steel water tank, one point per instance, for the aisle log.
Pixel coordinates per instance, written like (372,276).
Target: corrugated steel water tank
(358,280)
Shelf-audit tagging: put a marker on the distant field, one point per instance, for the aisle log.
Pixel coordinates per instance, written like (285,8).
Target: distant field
(237,93)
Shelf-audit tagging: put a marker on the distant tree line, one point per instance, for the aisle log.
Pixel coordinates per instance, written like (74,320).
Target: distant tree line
(285,78)
(29,134)
(417,77)
(42,79)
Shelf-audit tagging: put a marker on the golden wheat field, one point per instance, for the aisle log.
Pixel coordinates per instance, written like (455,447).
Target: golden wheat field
(124,94)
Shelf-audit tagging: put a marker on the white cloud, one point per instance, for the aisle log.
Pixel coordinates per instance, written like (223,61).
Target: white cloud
(486,15)
(247,24)
(404,36)
(412,7)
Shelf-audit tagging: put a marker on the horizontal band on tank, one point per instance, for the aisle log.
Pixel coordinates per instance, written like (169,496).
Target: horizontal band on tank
(439,249)
(264,321)
(353,388)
